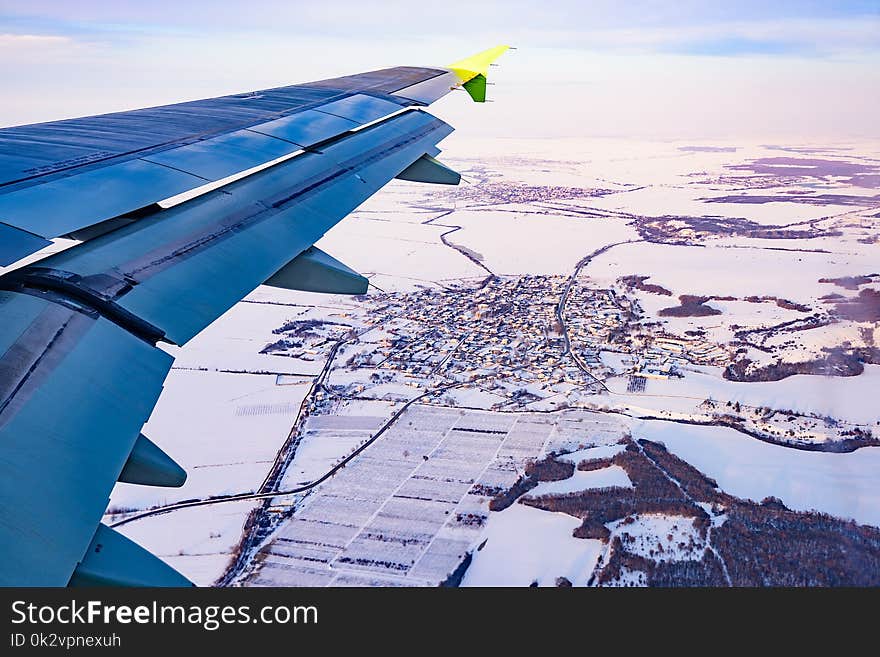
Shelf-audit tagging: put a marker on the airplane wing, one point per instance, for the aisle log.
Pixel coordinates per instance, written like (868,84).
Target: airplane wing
(182,211)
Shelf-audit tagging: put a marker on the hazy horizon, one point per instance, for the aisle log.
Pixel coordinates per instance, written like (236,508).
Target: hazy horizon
(795,70)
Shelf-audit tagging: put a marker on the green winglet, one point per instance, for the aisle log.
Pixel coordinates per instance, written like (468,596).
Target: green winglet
(476,87)
(472,71)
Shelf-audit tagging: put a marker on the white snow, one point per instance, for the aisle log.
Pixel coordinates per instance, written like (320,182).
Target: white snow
(852,398)
(663,535)
(395,253)
(198,541)
(613,475)
(680,199)
(563,240)
(849,398)
(714,270)
(223,429)
(524,544)
(601,452)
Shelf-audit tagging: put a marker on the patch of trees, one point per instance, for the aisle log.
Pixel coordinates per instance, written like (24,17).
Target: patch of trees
(763,544)
(849,282)
(705,572)
(281,345)
(689,306)
(470,519)
(863,308)
(594,464)
(769,545)
(638,283)
(456,576)
(303,327)
(696,484)
(838,362)
(485,491)
(548,469)
(592,528)
(652,492)
(684,230)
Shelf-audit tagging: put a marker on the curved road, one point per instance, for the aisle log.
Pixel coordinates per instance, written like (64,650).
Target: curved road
(560,308)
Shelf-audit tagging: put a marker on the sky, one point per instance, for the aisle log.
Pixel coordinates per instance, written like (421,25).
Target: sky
(803,71)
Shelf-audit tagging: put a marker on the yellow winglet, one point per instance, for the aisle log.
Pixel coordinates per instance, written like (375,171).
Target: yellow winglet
(470,67)
(472,71)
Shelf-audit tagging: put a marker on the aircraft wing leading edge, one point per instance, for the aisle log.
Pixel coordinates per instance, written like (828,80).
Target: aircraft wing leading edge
(264,175)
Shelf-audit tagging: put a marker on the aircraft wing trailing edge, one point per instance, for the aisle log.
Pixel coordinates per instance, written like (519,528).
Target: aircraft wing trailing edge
(182,211)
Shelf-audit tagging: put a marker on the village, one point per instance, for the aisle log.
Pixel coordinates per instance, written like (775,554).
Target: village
(504,334)
(502,345)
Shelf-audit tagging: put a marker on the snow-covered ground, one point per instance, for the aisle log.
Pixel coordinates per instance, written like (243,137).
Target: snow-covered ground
(223,429)
(661,537)
(224,426)
(564,240)
(848,398)
(604,477)
(199,541)
(844,485)
(603,452)
(407,511)
(329,438)
(525,545)
(713,270)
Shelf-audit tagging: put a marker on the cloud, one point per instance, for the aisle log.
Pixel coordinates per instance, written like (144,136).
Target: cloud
(790,37)
(32,40)
(746,27)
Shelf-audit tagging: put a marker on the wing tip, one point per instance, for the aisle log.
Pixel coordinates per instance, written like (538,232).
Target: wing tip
(472,71)
(478,64)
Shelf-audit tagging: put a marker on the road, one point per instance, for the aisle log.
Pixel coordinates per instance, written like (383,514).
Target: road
(560,308)
(287,450)
(261,495)
(282,458)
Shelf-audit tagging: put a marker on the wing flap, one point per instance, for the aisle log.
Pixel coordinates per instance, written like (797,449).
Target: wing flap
(149,465)
(62,456)
(313,270)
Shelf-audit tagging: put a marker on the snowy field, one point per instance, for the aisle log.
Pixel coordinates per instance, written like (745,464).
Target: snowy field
(848,398)
(844,485)
(602,478)
(408,510)
(714,270)
(563,240)
(525,545)
(199,542)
